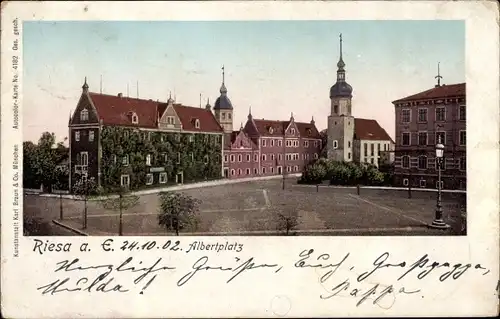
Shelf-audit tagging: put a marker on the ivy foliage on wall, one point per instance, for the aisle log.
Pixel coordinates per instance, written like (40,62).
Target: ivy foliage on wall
(197,156)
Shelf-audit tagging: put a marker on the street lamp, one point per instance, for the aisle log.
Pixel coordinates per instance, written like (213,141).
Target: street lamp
(438,222)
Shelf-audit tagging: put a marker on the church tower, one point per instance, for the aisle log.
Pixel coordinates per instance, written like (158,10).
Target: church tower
(340,121)
(223,109)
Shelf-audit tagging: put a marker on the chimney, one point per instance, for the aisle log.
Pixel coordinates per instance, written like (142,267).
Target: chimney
(120,94)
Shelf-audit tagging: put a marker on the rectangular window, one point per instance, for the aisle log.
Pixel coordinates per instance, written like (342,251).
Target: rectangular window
(405,161)
(371,160)
(263,142)
(405,115)
(441,137)
(148,160)
(248,157)
(247,171)
(223,116)
(91,136)
(365,146)
(463,163)
(239,158)
(263,170)
(263,157)
(192,156)
(378,148)
(225,158)
(462,138)
(232,158)
(256,157)
(461,115)
(77,136)
(165,158)
(272,142)
(125,180)
(440,114)
(372,148)
(422,183)
(125,160)
(163,178)
(205,159)
(406,139)
(280,157)
(280,143)
(149,179)
(422,138)
(178,157)
(191,138)
(170,120)
(306,143)
(349,155)
(255,171)
(422,115)
(405,182)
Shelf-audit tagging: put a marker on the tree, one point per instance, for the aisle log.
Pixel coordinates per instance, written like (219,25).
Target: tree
(324,142)
(123,202)
(178,211)
(84,189)
(286,222)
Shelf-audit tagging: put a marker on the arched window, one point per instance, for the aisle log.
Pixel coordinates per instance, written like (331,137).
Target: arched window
(405,161)
(197,123)
(335,144)
(239,171)
(135,118)
(422,162)
(232,172)
(84,115)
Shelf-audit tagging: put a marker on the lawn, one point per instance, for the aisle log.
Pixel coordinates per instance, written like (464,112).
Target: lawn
(250,207)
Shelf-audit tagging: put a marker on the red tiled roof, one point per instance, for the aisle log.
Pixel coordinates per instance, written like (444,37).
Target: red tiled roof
(114,110)
(443,91)
(230,138)
(305,129)
(188,115)
(369,130)
(264,125)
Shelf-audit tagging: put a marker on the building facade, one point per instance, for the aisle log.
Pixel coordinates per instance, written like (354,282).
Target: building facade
(352,139)
(136,143)
(422,120)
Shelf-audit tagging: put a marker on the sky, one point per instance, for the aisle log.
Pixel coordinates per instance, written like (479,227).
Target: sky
(275,67)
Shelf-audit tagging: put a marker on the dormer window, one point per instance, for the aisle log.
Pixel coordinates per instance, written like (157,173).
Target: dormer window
(309,132)
(197,123)
(293,131)
(270,130)
(135,118)
(84,115)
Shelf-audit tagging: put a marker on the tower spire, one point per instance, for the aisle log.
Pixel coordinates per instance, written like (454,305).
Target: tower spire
(438,77)
(341,63)
(85,86)
(223,89)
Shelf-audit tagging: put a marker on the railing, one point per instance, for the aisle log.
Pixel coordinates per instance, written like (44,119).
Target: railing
(81,169)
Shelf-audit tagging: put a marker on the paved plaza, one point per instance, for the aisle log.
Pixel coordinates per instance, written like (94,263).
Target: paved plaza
(251,208)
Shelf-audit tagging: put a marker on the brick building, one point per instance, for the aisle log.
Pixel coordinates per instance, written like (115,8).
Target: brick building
(423,118)
(140,143)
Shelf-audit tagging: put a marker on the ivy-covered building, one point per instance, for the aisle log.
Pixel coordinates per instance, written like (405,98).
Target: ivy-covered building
(123,141)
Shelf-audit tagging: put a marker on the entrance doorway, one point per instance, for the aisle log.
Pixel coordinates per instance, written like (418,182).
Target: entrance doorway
(280,170)
(226,172)
(179,178)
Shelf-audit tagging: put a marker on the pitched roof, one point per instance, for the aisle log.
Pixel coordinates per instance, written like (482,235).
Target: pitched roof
(263,127)
(188,115)
(443,91)
(116,110)
(307,130)
(278,127)
(365,129)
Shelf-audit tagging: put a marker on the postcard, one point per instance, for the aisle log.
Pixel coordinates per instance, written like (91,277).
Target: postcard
(250,159)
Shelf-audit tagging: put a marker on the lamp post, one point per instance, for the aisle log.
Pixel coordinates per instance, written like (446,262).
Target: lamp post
(438,222)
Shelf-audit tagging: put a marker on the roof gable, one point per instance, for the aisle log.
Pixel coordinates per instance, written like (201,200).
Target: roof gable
(443,91)
(365,129)
(276,128)
(84,104)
